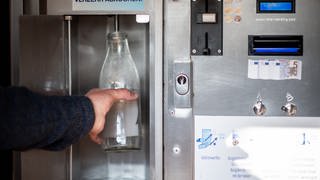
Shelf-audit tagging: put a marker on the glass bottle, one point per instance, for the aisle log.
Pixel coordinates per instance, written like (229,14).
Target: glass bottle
(122,127)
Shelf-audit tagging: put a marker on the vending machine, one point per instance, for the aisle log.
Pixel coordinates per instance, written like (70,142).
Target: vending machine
(229,88)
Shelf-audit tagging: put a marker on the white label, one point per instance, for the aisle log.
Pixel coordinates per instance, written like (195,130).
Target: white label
(209,18)
(252,148)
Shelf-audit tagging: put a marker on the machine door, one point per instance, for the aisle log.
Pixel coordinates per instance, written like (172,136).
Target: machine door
(241,90)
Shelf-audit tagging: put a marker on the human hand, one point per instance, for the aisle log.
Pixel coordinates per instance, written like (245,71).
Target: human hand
(102,100)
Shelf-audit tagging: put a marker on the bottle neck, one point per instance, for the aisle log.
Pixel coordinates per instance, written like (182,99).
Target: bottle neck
(119,47)
(118,44)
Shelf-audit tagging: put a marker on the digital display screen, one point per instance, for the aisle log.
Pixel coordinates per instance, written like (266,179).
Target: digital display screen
(276,6)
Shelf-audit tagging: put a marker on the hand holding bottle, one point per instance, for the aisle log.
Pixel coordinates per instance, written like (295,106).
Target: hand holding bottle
(102,100)
(122,131)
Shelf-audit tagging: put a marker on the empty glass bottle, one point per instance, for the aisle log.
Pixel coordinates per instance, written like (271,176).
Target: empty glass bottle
(122,127)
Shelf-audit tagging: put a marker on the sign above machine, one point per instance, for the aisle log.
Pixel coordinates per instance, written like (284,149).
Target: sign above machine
(107,5)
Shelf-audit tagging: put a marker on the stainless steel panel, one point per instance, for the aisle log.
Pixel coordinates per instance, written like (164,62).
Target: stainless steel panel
(31,7)
(42,68)
(178,147)
(221,85)
(16,9)
(156,91)
(38,164)
(46,55)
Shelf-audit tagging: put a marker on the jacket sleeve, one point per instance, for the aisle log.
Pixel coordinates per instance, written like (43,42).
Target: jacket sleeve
(30,120)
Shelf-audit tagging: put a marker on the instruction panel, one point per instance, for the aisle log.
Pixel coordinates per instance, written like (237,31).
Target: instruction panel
(252,148)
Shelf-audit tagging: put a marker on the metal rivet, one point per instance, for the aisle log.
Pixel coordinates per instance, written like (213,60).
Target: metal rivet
(172,112)
(176,150)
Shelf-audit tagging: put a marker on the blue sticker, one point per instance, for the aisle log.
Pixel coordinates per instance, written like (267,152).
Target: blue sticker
(108,5)
(206,139)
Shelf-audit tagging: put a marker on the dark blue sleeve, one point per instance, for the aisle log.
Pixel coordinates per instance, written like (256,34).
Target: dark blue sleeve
(31,120)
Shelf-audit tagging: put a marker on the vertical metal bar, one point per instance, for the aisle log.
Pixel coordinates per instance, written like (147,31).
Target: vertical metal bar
(69,18)
(16,9)
(43,7)
(69,152)
(31,7)
(156,91)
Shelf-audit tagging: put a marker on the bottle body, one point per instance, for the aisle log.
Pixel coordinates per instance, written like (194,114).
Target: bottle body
(122,130)
(122,126)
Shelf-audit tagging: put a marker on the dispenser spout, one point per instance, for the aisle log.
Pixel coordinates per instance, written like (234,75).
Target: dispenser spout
(116,23)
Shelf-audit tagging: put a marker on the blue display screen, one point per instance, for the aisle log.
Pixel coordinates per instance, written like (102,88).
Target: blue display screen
(276,6)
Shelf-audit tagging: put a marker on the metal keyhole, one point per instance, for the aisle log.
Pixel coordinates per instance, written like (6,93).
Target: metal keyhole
(182,84)
(182,80)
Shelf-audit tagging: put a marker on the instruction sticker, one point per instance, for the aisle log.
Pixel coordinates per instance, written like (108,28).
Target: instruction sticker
(108,5)
(277,69)
(256,148)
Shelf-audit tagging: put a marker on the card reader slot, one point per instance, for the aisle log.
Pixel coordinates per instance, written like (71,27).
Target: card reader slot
(271,41)
(277,45)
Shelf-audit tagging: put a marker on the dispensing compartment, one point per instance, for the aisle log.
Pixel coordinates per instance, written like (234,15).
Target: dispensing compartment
(45,66)
(275,45)
(89,46)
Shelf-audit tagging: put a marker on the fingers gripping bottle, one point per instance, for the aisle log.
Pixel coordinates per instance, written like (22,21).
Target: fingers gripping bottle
(122,126)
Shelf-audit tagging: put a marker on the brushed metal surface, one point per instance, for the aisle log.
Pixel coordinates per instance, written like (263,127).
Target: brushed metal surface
(221,85)
(178,125)
(42,68)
